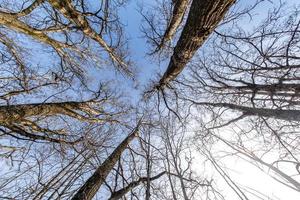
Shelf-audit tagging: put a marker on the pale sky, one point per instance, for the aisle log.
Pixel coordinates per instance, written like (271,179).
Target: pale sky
(244,173)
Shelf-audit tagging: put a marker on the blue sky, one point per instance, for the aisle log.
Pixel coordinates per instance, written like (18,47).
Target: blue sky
(148,68)
(242,172)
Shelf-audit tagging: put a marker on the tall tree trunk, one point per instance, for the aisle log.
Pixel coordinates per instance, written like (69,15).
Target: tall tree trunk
(92,185)
(204,16)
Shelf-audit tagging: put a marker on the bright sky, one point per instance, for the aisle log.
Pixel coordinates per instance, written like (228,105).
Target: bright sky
(244,173)
(241,171)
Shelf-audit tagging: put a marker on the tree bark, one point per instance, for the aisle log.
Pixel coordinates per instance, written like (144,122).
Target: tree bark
(204,16)
(30,8)
(17,113)
(92,185)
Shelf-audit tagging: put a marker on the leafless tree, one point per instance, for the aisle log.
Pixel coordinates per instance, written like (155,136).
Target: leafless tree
(69,130)
(203,17)
(246,84)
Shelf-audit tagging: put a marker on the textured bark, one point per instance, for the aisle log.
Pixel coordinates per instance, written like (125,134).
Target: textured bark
(69,11)
(204,16)
(19,119)
(17,113)
(92,185)
(179,10)
(122,192)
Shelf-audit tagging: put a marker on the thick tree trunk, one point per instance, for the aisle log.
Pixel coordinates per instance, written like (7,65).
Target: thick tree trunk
(92,185)
(19,118)
(204,16)
(17,113)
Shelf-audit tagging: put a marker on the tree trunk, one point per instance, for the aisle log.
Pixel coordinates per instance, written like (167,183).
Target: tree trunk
(17,113)
(92,185)
(203,18)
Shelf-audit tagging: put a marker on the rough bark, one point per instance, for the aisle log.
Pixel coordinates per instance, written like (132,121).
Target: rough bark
(23,119)
(204,16)
(179,10)
(17,113)
(92,185)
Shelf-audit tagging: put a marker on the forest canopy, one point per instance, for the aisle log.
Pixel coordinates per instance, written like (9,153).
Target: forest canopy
(160,99)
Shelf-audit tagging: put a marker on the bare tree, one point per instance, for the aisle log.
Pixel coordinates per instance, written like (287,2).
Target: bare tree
(65,113)
(246,85)
(72,42)
(203,18)
(91,186)
(178,13)
(254,73)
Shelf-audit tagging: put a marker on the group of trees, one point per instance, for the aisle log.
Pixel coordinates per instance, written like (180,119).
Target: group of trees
(69,132)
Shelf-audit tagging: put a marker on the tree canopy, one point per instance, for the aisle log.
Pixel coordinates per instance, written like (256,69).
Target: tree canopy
(79,118)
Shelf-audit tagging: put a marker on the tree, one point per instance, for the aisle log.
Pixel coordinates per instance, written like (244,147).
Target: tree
(72,128)
(178,13)
(248,85)
(202,19)
(92,185)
